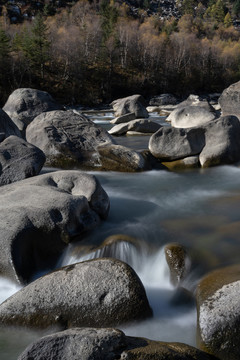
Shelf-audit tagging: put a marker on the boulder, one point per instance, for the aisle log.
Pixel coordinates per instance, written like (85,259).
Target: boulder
(163,99)
(191,162)
(7,126)
(230,100)
(131,104)
(40,215)
(24,104)
(195,100)
(139,125)
(67,138)
(178,261)
(107,344)
(100,293)
(19,160)
(191,116)
(219,312)
(123,119)
(222,142)
(170,144)
(121,158)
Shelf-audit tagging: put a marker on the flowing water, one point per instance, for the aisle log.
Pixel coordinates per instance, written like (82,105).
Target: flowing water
(199,209)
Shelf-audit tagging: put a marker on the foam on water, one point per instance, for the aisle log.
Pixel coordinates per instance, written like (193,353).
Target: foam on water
(7,288)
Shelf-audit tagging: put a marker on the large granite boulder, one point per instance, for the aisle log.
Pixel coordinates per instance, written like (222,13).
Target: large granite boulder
(216,142)
(190,116)
(222,142)
(107,344)
(121,158)
(219,313)
(131,104)
(7,126)
(230,100)
(19,160)
(170,144)
(40,215)
(138,125)
(24,104)
(100,292)
(67,138)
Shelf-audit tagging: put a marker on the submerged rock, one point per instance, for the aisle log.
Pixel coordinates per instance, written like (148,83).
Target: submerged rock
(67,139)
(19,160)
(24,104)
(219,312)
(107,344)
(191,162)
(101,292)
(131,104)
(40,215)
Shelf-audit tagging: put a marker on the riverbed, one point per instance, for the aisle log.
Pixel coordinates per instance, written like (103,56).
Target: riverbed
(198,209)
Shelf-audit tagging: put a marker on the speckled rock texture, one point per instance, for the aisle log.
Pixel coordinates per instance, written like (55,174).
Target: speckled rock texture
(101,292)
(68,139)
(219,313)
(24,104)
(40,215)
(107,344)
(131,104)
(19,160)
(230,100)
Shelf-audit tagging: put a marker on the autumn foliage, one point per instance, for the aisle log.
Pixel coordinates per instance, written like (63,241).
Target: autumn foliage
(94,52)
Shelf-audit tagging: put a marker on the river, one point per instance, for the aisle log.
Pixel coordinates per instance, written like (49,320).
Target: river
(198,209)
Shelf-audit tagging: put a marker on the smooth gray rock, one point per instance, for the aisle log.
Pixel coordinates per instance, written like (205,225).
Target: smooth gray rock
(121,158)
(123,119)
(139,125)
(24,104)
(222,142)
(195,100)
(191,116)
(107,344)
(131,104)
(170,144)
(163,99)
(230,100)
(100,292)
(40,215)
(219,312)
(7,126)
(19,160)
(68,139)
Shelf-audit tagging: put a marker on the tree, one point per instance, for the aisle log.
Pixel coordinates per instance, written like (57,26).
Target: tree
(35,45)
(227,20)
(5,66)
(109,14)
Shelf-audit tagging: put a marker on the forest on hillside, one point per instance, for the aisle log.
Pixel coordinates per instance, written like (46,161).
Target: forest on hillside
(92,52)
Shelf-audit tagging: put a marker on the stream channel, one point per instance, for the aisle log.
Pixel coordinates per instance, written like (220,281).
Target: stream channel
(200,209)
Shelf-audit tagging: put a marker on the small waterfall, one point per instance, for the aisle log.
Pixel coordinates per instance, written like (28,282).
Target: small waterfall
(7,288)
(150,266)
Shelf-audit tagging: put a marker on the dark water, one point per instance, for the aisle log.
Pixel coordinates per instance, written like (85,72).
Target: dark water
(199,209)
